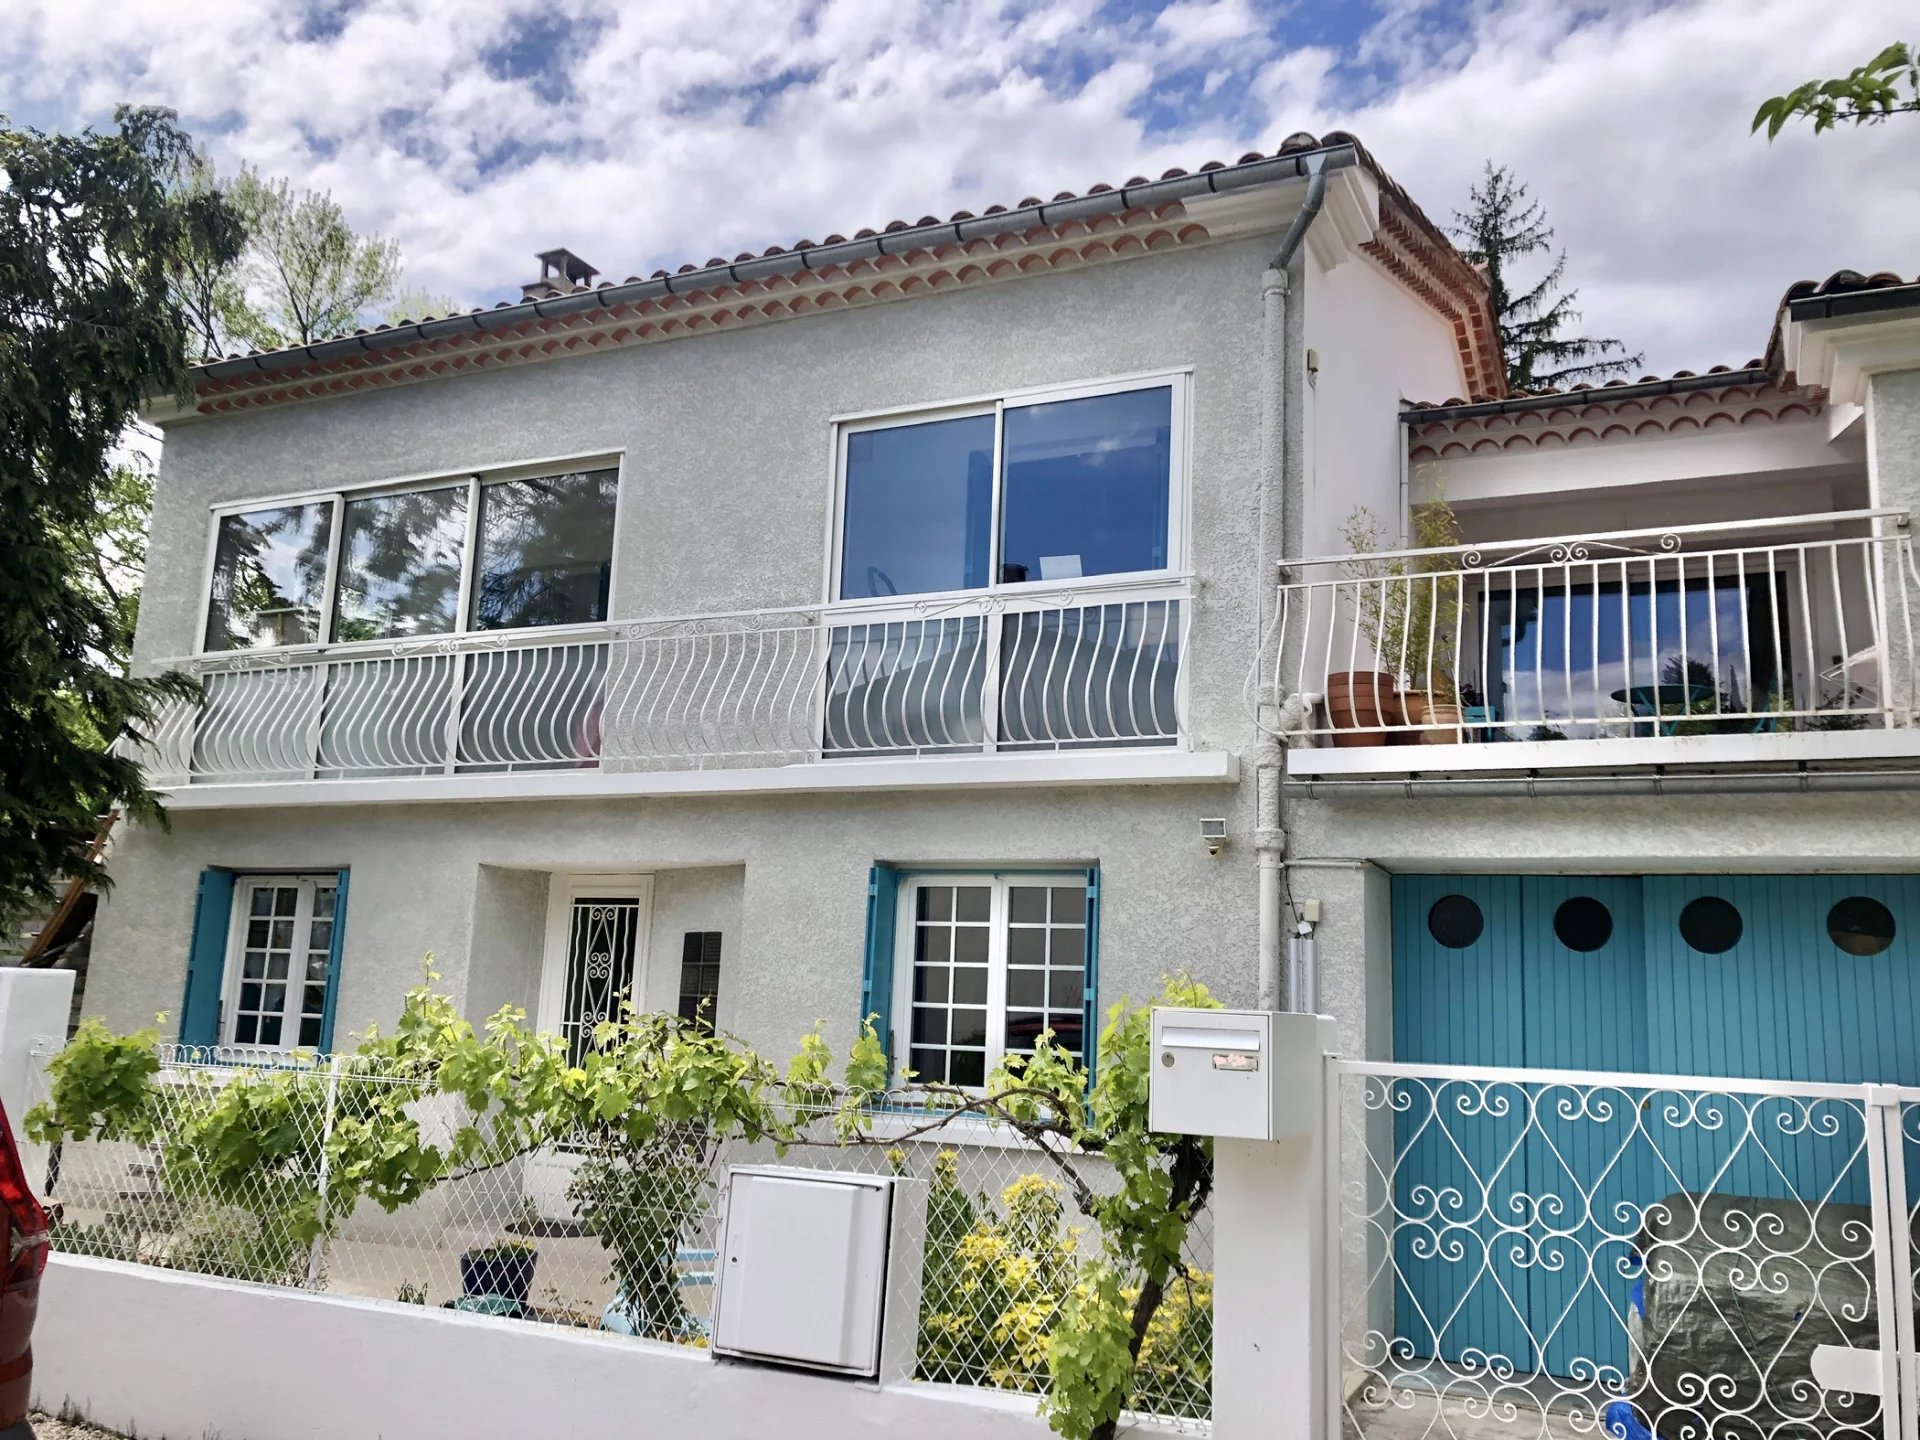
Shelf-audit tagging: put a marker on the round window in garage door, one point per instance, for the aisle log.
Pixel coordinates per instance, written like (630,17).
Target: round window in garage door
(1710,925)
(1583,924)
(1860,925)
(1455,921)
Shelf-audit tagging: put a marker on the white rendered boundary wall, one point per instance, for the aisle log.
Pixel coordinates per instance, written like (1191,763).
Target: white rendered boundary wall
(170,1356)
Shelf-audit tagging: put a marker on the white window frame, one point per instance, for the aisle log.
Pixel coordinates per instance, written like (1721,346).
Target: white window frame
(1179,488)
(243,887)
(474,478)
(550,1012)
(906,907)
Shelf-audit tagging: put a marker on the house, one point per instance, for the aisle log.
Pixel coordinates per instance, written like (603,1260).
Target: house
(967,623)
(859,628)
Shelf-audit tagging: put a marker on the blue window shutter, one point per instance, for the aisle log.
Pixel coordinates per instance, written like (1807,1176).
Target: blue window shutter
(333,964)
(207,959)
(876,989)
(1090,1000)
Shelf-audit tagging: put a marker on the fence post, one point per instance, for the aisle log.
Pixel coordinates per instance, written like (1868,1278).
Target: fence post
(317,1252)
(1271,1286)
(35,1007)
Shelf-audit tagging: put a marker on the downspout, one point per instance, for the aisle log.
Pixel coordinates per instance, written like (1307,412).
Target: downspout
(1269,840)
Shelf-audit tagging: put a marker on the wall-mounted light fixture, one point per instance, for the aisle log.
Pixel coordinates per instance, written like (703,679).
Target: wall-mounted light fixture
(1214,833)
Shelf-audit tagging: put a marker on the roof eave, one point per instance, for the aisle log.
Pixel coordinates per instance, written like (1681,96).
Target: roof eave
(1277,169)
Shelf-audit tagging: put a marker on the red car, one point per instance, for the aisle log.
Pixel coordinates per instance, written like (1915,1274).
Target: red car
(20,1290)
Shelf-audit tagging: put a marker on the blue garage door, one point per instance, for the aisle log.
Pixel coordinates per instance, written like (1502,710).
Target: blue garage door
(1805,978)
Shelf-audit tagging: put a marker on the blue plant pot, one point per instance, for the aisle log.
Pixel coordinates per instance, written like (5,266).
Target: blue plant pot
(510,1276)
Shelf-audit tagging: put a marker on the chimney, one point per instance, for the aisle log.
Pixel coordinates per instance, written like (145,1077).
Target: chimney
(560,271)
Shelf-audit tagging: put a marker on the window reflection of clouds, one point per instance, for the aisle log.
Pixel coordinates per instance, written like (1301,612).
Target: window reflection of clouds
(268,573)
(1572,650)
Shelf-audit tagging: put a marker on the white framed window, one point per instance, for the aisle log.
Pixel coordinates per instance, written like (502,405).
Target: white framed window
(596,953)
(985,962)
(1037,487)
(279,964)
(469,553)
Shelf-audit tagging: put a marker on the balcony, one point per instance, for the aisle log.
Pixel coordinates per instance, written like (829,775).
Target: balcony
(794,699)
(1775,640)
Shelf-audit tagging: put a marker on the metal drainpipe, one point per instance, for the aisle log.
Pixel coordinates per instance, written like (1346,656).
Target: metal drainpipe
(1269,840)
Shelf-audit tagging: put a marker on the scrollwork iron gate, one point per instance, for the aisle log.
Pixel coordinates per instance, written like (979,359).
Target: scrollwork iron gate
(1747,1247)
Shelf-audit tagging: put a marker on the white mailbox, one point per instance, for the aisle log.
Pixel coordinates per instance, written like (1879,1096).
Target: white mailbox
(1236,1074)
(803,1268)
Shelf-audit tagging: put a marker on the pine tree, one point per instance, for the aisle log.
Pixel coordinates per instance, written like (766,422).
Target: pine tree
(1500,226)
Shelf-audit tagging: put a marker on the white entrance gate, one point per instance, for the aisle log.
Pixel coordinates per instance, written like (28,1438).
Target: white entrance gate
(1540,1253)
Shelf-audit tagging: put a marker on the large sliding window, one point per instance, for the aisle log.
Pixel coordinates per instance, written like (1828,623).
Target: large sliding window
(476,554)
(1044,488)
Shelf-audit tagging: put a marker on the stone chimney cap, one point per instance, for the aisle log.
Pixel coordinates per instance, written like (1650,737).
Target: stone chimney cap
(560,271)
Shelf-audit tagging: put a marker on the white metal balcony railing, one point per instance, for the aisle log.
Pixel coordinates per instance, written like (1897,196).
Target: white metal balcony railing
(1798,623)
(1088,669)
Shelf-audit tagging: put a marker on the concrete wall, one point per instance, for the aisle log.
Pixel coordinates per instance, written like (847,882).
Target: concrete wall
(177,1357)
(462,881)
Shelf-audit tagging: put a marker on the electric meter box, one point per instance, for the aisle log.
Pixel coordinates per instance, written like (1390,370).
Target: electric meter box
(1236,1074)
(803,1268)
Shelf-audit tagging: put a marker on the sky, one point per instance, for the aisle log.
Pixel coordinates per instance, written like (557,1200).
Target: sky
(643,134)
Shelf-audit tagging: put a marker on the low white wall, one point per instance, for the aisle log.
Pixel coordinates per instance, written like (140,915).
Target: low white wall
(179,1357)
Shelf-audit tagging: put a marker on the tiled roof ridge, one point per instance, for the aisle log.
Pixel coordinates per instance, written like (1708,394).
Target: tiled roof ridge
(1600,389)
(1840,282)
(1294,144)
(1009,255)
(1593,415)
(1297,143)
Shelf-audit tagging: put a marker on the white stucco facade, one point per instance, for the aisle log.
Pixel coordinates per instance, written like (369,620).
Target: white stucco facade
(724,444)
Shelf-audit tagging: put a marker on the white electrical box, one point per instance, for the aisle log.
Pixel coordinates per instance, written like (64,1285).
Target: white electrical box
(803,1268)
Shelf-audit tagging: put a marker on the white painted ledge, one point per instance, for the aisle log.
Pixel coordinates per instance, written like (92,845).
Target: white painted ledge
(1520,756)
(990,772)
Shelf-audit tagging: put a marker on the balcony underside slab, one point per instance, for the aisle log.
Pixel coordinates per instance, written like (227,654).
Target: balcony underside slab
(1003,772)
(1604,755)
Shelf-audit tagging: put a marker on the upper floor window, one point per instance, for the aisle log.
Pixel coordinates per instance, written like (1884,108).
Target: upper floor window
(1046,488)
(476,554)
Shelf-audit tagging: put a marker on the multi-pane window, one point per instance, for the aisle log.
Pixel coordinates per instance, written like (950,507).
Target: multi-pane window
(986,965)
(699,975)
(1011,492)
(280,960)
(429,560)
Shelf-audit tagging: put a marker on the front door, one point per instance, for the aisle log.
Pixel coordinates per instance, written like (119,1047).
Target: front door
(595,965)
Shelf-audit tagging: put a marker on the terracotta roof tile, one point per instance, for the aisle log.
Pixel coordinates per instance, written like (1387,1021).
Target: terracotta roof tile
(1422,258)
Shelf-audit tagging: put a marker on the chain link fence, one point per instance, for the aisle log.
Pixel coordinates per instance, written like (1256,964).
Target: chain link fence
(600,1233)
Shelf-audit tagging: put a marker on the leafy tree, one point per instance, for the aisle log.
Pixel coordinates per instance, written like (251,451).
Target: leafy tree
(1865,95)
(91,230)
(410,304)
(1499,227)
(315,277)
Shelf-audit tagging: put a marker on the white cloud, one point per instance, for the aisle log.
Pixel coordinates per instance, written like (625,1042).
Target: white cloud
(683,130)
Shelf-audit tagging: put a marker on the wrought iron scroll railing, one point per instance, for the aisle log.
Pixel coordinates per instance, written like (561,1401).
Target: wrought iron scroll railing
(1795,623)
(1095,668)
(1536,1254)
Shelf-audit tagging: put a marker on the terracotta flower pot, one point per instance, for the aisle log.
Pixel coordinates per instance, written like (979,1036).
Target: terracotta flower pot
(1360,704)
(1442,712)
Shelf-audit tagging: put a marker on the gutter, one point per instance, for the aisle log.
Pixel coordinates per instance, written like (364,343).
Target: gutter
(1225,180)
(1731,782)
(1270,839)
(1854,302)
(1678,385)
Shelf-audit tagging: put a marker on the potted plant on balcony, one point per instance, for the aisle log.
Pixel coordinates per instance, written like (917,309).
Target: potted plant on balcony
(1409,612)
